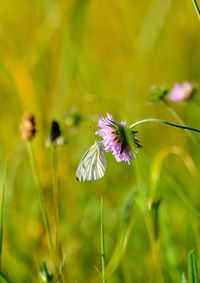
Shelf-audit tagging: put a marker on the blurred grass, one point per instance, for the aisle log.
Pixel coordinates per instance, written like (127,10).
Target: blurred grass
(2,212)
(97,56)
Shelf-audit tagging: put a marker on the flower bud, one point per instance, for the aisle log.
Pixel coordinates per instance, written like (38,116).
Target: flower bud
(55,131)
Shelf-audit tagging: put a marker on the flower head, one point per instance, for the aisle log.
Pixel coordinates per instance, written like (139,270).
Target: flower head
(55,131)
(55,137)
(115,138)
(158,92)
(181,92)
(28,129)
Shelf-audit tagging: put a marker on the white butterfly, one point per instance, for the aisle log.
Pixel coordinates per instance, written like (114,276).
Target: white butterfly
(93,164)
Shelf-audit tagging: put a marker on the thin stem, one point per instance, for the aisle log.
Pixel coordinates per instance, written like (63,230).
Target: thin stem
(174,113)
(2,213)
(56,200)
(196,8)
(178,118)
(102,244)
(195,100)
(164,122)
(155,248)
(42,205)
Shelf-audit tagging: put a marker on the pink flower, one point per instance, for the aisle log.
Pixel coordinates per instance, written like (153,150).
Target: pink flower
(181,92)
(114,138)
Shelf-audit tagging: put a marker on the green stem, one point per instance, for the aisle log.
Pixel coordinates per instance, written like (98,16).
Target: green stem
(155,249)
(56,201)
(102,244)
(163,122)
(195,100)
(2,214)
(42,205)
(178,118)
(174,113)
(196,8)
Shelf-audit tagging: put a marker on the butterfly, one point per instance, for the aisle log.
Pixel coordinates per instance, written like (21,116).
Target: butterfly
(93,164)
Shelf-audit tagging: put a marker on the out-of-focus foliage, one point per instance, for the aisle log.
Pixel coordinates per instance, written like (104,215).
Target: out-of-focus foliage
(71,61)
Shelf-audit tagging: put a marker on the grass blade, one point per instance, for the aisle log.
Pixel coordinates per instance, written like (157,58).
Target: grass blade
(2,279)
(123,238)
(43,208)
(196,8)
(102,244)
(192,267)
(56,200)
(183,280)
(2,213)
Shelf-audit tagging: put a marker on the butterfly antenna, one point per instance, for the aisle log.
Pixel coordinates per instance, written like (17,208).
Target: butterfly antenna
(92,130)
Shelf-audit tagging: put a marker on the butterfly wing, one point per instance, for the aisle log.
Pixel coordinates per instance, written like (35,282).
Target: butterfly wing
(93,164)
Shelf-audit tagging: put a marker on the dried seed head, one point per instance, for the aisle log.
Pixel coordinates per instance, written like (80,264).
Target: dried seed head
(27,127)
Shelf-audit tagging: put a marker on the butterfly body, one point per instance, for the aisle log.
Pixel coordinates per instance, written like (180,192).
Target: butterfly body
(93,164)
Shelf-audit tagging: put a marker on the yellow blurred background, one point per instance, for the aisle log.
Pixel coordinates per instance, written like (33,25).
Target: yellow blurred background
(95,57)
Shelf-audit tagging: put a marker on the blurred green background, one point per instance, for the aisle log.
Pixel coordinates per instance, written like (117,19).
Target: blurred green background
(98,57)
